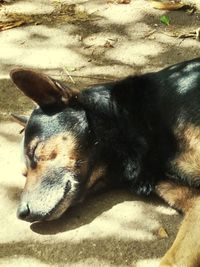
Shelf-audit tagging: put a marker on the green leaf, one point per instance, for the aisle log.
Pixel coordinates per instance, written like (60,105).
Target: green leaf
(165,20)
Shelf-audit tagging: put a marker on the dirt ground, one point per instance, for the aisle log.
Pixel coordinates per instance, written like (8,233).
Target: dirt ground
(85,42)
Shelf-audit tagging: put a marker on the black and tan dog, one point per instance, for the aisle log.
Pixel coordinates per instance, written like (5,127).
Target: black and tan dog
(142,132)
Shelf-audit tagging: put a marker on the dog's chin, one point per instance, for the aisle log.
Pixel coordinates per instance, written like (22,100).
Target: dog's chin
(58,211)
(62,208)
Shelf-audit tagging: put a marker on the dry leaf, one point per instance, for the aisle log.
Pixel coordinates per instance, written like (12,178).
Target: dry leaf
(162,233)
(123,1)
(63,13)
(108,45)
(119,1)
(168,5)
(10,25)
(5,1)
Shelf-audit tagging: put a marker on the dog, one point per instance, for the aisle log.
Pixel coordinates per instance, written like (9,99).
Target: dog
(141,132)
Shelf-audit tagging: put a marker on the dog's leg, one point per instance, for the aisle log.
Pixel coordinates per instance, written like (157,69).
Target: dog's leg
(185,251)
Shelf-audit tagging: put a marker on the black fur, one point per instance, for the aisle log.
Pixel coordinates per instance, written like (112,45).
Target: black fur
(132,121)
(128,125)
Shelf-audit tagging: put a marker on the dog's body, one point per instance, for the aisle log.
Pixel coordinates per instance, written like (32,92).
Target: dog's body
(142,132)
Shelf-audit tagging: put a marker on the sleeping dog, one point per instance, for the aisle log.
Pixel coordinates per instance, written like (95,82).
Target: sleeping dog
(142,132)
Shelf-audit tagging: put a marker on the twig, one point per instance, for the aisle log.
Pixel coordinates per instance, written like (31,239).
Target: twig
(66,70)
(87,77)
(150,33)
(191,34)
(198,34)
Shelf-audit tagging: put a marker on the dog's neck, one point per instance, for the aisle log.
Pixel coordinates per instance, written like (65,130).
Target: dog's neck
(114,112)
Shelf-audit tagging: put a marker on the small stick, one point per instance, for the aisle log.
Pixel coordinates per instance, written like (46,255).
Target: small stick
(66,70)
(87,77)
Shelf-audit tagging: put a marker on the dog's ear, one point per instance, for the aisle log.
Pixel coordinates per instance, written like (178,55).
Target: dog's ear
(22,120)
(45,91)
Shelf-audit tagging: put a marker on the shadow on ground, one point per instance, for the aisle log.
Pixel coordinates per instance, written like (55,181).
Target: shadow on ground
(113,228)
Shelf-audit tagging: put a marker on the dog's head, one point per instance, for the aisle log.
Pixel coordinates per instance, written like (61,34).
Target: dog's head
(57,149)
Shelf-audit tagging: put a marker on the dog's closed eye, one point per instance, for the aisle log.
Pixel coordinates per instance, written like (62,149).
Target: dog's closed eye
(43,152)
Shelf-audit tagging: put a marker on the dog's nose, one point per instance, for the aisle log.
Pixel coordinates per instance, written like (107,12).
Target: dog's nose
(23,211)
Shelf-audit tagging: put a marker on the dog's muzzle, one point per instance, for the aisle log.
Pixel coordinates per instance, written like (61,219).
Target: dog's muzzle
(45,203)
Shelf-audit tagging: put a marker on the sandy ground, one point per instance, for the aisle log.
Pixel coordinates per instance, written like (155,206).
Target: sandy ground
(113,228)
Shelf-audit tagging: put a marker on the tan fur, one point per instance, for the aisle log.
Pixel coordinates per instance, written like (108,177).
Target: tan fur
(59,150)
(185,251)
(177,196)
(96,175)
(188,161)
(63,147)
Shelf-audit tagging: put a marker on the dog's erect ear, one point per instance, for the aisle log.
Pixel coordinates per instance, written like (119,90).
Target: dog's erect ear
(22,120)
(40,88)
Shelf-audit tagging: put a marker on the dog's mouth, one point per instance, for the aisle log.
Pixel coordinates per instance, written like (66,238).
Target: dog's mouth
(64,203)
(46,205)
